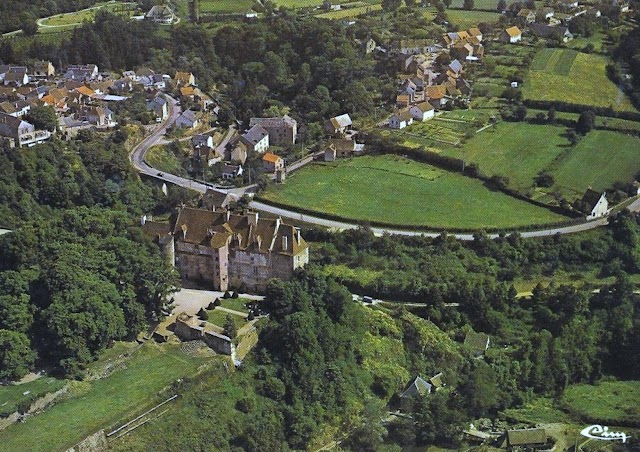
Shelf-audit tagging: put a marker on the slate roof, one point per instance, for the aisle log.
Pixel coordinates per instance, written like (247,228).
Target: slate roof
(547,31)
(526,436)
(255,134)
(418,387)
(591,198)
(341,121)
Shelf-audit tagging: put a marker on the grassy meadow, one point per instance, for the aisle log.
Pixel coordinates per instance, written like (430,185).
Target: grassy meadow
(103,403)
(400,191)
(608,402)
(465,19)
(569,76)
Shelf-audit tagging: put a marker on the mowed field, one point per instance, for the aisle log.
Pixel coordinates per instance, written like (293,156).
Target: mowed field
(102,403)
(570,76)
(520,151)
(225,6)
(466,19)
(400,191)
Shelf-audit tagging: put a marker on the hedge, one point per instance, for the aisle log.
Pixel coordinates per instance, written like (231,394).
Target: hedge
(579,108)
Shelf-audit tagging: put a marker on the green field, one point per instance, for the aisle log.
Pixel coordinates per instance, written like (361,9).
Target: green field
(520,151)
(350,12)
(569,76)
(103,403)
(608,402)
(12,396)
(225,6)
(599,160)
(399,191)
(466,19)
(77,17)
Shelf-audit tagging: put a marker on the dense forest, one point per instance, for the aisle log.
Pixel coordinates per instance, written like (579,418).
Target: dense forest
(76,274)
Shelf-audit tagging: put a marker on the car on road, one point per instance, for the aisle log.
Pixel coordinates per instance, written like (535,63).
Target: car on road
(160,175)
(367,299)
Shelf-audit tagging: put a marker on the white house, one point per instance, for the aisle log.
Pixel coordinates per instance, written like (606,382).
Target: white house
(511,35)
(187,120)
(256,139)
(401,120)
(422,111)
(596,204)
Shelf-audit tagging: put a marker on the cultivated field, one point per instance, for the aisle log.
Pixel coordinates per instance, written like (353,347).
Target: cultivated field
(225,6)
(520,151)
(466,19)
(350,12)
(102,403)
(399,191)
(578,78)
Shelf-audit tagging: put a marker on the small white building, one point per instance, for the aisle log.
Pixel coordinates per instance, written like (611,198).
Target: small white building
(596,204)
(422,111)
(511,35)
(400,120)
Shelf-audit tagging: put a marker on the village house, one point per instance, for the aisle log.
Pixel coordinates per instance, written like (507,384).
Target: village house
(236,151)
(256,139)
(413,46)
(204,149)
(184,79)
(511,35)
(595,203)
(525,439)
(226,250)
(437,96)
(187,120)
(282,131)
(161,14)
(158,105)
(340,148)
(21,133)
(231,171)
(82,73)
(16,76)
(97,116)
(272,163)
(478,343)
(561,34)
(422,111)
(43,69)
(400,120)
(338,125)
(526,16)
(417,388)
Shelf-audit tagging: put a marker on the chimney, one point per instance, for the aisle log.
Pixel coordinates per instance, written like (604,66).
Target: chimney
(227,215)
(278,221)
(299,238)
(284,243)
(259,242)
(184,231)
(143,220)
(253,218)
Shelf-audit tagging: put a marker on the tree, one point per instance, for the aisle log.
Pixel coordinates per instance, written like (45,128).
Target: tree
(230,328)
(551,115)
(502,5)
(43,118)
(16,356)
(468,4)
(573,137)
(447,3)
(586,122)
(391,5)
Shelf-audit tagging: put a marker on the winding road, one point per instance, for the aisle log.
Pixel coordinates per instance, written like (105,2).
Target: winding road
(138,161)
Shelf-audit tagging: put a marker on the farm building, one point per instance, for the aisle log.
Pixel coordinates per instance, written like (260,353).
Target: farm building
(422,111)
(511,35)
(596,204)
(401,120)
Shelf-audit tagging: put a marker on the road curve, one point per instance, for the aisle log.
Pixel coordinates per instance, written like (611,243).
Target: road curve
(139,163)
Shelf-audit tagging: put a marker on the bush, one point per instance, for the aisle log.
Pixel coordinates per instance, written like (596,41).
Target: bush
(202,314)
(226,295)
(211,306)
(235,294)
(217,302)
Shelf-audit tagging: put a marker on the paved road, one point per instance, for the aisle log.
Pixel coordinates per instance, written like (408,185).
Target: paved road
(137,159)
(4,231)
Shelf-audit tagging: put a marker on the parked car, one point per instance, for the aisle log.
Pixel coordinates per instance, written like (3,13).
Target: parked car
(367,299)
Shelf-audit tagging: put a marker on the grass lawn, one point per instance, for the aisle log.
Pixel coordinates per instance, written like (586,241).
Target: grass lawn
(225,6)
(540,410)
(77,17)
(579,78)
(598,160)
(465,19)
(515,150)
(608,402)
(12,395)
(218,317)
(162,158)
(237,304)
(350,12)
(399,191)
(103,403)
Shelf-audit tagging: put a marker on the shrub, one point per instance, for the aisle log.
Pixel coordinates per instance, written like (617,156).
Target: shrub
(217,302)
(202,314)
(235,294)
(226,295)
